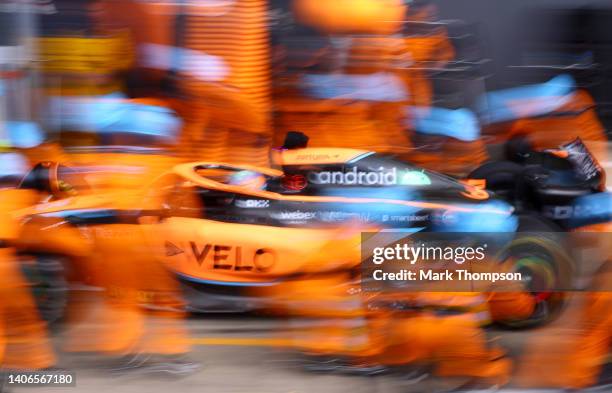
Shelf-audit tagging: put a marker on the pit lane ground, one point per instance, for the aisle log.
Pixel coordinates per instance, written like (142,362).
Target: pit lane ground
(245,354)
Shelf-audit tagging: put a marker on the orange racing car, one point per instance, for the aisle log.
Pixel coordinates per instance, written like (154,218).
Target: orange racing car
(232,232)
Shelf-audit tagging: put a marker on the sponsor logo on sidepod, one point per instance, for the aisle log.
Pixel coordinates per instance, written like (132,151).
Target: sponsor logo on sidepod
(379,177)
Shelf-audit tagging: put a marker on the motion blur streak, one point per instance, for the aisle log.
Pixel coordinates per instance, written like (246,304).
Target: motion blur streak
(197,188)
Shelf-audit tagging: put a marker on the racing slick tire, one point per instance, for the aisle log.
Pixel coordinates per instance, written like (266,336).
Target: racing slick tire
(537,253)
(47,277)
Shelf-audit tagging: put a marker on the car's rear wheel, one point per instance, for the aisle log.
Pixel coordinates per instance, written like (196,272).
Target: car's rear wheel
(537,253)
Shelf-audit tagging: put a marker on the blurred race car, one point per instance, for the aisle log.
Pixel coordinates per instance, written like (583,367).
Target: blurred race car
(230,232)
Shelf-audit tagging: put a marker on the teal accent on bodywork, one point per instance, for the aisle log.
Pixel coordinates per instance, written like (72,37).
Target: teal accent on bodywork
(415,178)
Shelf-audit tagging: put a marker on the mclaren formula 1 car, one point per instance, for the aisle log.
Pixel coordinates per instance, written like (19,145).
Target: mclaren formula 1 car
(228,232)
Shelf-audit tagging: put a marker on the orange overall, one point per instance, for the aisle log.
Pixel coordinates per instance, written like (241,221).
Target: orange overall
(131,278)
(24,340)
(572,353)
(455,343)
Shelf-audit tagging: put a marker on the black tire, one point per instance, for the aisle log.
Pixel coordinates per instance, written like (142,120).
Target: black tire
(47,277)
(538,253)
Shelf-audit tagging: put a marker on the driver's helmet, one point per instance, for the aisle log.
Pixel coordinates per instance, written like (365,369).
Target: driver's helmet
(55,179)
(248,179)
